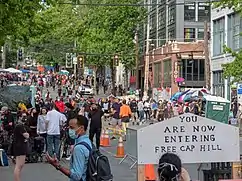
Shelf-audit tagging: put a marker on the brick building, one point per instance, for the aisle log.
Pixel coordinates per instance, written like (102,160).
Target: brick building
(174,60)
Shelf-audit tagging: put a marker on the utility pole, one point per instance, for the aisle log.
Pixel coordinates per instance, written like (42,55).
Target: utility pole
(137,58)
(147,62)
(4,49)
(207,58)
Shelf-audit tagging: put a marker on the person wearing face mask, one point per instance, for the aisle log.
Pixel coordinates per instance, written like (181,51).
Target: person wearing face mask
(32,122)
(80,156)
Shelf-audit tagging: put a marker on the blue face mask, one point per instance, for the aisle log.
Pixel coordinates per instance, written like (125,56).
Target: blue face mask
(72,134)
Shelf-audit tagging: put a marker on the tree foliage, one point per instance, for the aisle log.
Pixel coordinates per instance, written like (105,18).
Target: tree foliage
(16,19)
(100,32)
(110,30)
(233,69)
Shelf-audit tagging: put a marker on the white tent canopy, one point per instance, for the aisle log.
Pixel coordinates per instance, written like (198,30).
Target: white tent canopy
(13,70)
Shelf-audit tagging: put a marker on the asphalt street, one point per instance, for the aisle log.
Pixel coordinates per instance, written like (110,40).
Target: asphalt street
(45,172)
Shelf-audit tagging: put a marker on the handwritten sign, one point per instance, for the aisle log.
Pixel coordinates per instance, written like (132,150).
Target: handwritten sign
(195,139)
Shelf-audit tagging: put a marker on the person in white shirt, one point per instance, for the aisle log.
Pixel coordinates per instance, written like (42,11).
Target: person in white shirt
(147,110)
(140,110)
(54,121)
(41,126)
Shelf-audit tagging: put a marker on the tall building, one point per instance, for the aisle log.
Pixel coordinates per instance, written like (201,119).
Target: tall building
(181,21)
(226,26)
(178,20)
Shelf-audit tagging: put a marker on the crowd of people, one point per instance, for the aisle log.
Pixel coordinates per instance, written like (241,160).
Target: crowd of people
(51,118)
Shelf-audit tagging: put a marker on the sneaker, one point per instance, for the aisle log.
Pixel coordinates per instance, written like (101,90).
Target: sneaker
(68,158)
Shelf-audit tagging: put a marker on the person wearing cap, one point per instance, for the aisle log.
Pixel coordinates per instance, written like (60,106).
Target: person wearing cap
(170,168)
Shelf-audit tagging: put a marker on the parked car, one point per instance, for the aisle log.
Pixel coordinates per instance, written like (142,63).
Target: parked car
(85,90)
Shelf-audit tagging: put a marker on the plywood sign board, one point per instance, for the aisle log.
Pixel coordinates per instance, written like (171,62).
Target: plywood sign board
(195,139)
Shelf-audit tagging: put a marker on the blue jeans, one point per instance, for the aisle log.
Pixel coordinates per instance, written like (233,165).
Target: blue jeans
(141,115)
(53,145)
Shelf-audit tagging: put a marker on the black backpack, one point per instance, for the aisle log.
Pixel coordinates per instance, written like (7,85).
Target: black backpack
(98,168)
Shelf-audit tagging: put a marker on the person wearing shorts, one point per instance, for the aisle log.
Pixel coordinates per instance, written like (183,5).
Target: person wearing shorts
(115,110)
(20,148)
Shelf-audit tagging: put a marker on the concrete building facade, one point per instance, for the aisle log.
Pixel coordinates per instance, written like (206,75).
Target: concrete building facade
(180,20)
(172,20)
(226,26)
(173,60)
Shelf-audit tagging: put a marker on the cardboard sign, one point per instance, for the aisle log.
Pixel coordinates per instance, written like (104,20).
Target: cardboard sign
(195,139)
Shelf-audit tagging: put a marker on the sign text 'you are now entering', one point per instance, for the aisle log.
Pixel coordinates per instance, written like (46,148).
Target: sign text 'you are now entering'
(195,139)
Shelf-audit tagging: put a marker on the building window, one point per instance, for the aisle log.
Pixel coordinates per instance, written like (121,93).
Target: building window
(218,83)
(200,33)
(171,13)
(192,70)
(218,36)
(234,29)
(157,75)
(171,33)
(161,17)
(195,70)
(189,12)
(167,68)
(203,12)
(161,37)
(201,74)
(189,34)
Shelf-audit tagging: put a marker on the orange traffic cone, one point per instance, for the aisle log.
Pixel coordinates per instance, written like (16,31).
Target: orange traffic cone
(120,148)
(106,140)
(150,172)
(102,138)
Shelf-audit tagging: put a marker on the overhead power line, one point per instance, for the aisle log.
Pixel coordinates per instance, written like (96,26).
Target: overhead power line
(137,5)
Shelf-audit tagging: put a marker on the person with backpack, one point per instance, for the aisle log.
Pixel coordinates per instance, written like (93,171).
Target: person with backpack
(87,163)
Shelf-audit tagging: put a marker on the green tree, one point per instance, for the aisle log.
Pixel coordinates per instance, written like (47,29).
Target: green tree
(233,69)
(55,31)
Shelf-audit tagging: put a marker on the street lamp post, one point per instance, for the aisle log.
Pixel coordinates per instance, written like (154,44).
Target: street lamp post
(115,64)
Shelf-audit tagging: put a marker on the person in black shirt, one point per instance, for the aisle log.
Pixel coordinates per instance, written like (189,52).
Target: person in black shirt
(95,115)
(70,113)
(7,119)
(20,144)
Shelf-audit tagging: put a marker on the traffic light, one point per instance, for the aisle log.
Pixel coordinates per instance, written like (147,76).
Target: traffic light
(80,59)
(20,54)
(116,61)
(68,60)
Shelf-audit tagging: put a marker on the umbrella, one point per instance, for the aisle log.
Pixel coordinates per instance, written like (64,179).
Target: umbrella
(186,97)
(64,72)
(13,70)
(25,71)
(3,70)
(199,93)
(175,96)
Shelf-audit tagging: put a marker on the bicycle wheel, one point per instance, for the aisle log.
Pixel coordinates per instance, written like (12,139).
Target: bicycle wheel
(62,147)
